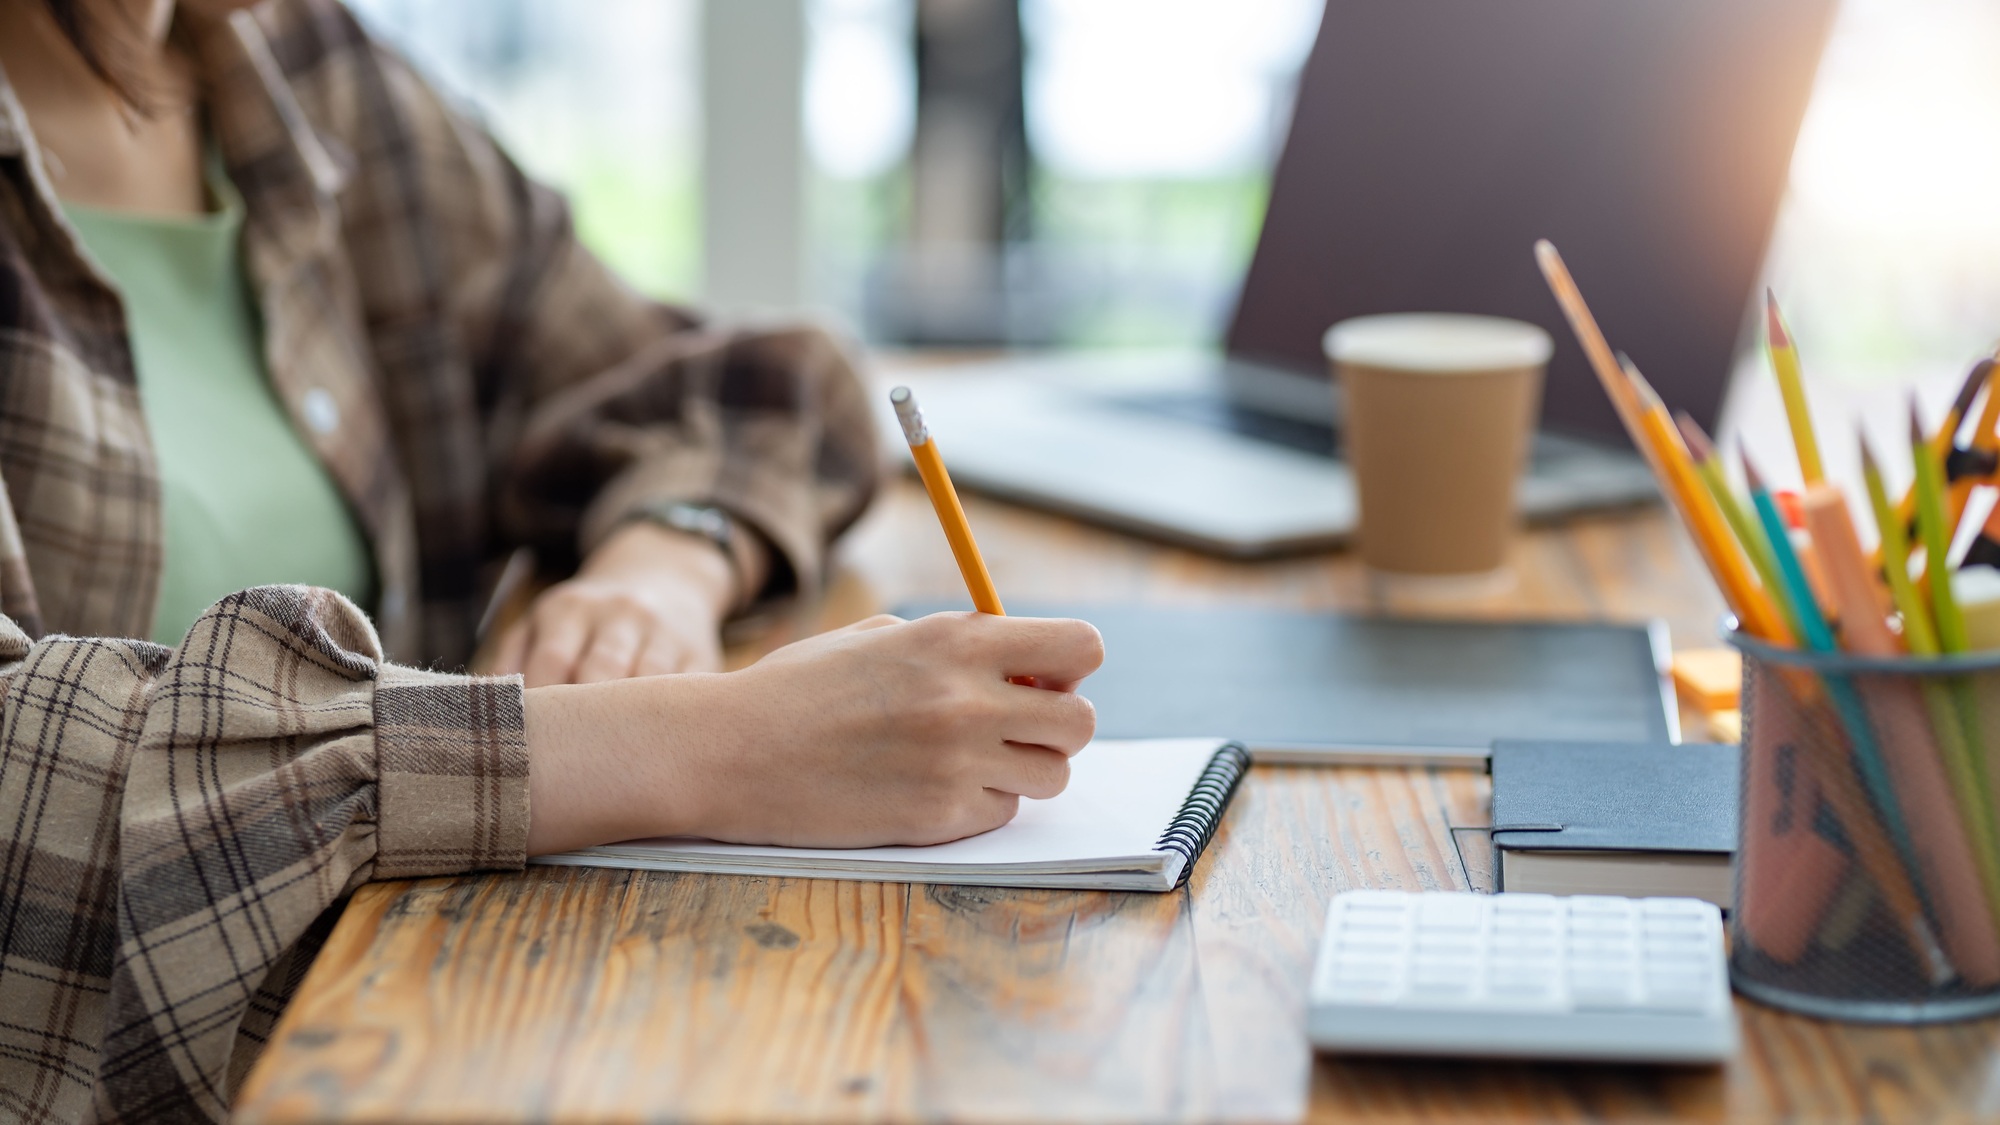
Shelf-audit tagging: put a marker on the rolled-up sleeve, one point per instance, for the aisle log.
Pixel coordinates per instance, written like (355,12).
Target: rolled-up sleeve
(181,821)
(597,400)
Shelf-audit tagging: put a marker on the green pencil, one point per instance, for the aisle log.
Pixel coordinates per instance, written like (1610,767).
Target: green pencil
(1708,465)
(1918,632)
(1954,712)
(1931,524)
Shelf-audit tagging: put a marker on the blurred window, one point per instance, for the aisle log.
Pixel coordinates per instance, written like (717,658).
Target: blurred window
(597,99)
(1153,124)
(1887,254)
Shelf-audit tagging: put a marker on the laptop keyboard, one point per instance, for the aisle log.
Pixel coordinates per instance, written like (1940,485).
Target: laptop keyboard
(1214,411)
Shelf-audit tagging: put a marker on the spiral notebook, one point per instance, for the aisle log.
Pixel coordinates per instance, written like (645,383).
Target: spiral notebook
(1135,817)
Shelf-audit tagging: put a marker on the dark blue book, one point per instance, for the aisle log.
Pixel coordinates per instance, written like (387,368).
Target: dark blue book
(1616,818)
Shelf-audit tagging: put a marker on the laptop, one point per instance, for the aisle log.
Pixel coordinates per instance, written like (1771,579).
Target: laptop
(1431,143)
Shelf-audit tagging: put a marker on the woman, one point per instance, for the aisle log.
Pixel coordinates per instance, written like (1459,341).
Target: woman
(282,336)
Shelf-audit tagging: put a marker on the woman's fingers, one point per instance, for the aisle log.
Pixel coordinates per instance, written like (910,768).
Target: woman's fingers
(1063,721)
(556,644)
(1029,771)
(1055,649)
(511,651)
(612,650)
(660,656)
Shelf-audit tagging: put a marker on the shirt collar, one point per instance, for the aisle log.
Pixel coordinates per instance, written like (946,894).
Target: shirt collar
(257,120)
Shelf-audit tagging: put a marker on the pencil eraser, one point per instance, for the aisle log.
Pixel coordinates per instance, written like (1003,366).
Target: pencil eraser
(1708,679)
(1725,726)
(1791,507)
(1977,589)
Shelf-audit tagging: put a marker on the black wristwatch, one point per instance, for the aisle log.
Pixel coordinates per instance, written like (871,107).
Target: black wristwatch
(705,520)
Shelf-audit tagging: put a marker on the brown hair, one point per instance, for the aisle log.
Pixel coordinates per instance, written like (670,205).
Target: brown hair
(107,47)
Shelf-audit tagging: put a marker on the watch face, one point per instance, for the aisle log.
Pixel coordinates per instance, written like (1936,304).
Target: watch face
(709,522)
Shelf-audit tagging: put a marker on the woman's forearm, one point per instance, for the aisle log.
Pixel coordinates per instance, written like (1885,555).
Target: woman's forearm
(887,732)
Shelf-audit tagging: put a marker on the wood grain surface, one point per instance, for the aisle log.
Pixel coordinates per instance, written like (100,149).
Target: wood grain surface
(589,995)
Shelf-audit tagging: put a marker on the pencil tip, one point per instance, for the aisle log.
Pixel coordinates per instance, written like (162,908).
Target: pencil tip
(1544,249)
(1867,455)
(1751,476)
(1916,426)
(1974,379)
(1647,394)
(1692,433)
(1774,324)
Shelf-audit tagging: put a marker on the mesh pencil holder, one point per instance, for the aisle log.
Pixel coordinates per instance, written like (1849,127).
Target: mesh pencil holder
(1867,878)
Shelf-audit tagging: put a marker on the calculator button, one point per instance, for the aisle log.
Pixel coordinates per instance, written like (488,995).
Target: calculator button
(1588,905)
(1669,907)
(1442,912)
(1522,992)
(1522,969)
(1677,1000)
(1372,921)
(1374,942)
(1441,989)
(1374,993)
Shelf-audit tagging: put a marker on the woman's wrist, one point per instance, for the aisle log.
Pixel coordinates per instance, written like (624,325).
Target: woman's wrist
(644,552)
(605,764)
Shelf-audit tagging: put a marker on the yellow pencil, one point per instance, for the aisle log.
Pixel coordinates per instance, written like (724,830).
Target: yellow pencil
(1748,533)
(1751,603)
(944,499)
(1785,361)
(1602,361)
(1683,490)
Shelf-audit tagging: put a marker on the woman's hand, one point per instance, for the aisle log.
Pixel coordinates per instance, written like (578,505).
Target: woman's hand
(886,732)
(647,602)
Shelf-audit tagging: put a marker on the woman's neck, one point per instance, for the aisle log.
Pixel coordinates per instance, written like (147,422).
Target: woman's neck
(99,150)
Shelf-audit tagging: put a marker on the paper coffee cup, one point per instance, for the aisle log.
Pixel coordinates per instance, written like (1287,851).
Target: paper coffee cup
(1439,412)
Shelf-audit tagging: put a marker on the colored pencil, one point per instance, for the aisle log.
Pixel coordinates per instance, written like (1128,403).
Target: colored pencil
(1955,713)
(1936,534)
(1699,513)
(1984,550)
(1959,487)
(1748,533)
(1934,782)
(1791,386)
(1919,633)
(1813,627)
(1901,883)
(1595,349)
(944,501)
(1984,439)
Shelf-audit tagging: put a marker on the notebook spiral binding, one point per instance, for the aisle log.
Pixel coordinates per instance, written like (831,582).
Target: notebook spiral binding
(1190,830)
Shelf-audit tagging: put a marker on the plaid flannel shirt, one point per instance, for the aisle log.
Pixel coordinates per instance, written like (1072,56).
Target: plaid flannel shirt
(175,825)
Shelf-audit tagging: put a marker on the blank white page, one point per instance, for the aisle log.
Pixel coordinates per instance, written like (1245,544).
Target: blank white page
(1122,796)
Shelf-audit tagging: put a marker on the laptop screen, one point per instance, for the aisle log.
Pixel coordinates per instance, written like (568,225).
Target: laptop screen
(1434,141)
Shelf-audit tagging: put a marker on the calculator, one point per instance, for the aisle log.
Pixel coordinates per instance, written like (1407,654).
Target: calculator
(1584,977)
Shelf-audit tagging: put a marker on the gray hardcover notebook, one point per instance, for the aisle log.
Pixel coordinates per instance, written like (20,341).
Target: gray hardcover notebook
(1322,687)
(1616,818)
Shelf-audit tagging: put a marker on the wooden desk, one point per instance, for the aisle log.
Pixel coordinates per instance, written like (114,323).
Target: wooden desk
(575,994)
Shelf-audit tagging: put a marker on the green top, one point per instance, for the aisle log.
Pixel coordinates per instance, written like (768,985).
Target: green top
(245,502)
